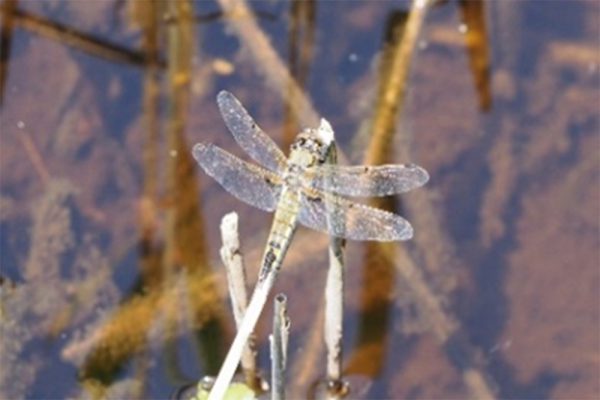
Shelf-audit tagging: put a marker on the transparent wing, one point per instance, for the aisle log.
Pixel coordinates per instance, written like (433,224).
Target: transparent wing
(247,182)
(248,134)
(340,217)
(367,181)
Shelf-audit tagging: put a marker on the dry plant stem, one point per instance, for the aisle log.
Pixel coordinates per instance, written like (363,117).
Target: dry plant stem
(257,303)
(184,223)
(267,60)
(334,310)
(178,38)
(150,264)
(236,279)
(74,38)
(391,101)
(334,298)
(151,107)
(279,342)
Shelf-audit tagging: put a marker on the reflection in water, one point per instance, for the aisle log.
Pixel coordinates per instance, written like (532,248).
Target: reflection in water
(146,15)
(7,22)
(105,349)
(301,44)
(185,247)
(267,61)
(52,299)
(473,16)
(503,189)
(138,322)
(72,37)
(383,260)
(193,294)
(379,274)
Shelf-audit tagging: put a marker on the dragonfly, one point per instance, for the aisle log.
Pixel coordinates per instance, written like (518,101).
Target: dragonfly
(305,188)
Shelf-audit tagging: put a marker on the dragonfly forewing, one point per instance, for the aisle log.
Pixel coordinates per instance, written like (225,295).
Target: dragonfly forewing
(248,134)
(342,218)
(249,183)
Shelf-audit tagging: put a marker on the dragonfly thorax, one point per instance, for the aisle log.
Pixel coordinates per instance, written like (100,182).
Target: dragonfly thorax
(308,150)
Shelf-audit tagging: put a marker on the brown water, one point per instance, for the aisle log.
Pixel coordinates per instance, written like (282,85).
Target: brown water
(109,234)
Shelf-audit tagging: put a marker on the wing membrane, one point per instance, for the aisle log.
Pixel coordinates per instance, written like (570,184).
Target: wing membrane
(368,181)
(247,182)
(340,217)
(248,134)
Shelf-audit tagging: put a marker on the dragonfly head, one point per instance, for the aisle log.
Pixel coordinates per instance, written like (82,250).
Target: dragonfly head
(308,149)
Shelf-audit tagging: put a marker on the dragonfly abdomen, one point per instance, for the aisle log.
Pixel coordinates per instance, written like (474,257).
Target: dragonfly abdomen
(282,230)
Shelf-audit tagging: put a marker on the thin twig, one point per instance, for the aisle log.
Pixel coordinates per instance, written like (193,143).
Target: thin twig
(334,307)
(334,295)
(334,315)
(255,307)
(279,344)
(236,279)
